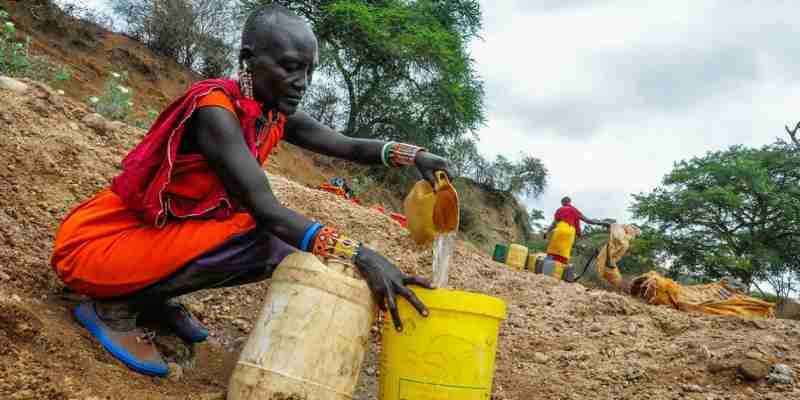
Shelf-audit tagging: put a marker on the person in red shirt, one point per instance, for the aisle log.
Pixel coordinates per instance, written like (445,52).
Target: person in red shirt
(565,228)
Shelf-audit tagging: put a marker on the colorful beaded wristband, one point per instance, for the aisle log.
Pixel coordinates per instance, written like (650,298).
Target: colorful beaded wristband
(331,244)
(398,154)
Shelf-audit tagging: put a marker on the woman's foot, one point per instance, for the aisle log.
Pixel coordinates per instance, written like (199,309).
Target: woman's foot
(115,328)
(176,317)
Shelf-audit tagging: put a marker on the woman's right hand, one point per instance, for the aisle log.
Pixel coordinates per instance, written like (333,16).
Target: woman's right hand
(386,281)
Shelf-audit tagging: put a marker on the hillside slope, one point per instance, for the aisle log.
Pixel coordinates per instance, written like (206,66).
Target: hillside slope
(561,341)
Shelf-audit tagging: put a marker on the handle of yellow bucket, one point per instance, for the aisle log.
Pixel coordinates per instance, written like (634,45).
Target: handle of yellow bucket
(441,180)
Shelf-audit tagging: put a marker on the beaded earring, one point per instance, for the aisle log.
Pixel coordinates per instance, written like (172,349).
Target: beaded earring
(245,81)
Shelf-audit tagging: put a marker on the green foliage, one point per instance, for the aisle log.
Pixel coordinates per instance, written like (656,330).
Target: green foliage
(536,220)
(536,244)
(527,176)
(646,253)
(17,61)
(734,212)
(148,121)
(14,55)
(63,73)
(116,102)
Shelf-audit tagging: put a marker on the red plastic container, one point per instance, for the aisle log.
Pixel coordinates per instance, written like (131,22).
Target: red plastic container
(400,218)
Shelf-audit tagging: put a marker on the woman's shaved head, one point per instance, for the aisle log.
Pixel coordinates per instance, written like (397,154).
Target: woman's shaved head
(279,50)
(263,20)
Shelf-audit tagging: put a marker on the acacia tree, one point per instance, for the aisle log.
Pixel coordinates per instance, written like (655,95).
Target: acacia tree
(729,212)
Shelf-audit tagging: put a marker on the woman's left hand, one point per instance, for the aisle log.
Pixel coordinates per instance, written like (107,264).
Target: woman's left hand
(428,163)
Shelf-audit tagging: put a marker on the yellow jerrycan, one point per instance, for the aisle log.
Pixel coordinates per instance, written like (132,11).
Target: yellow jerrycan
(517,256)
(310,337)
(431,212)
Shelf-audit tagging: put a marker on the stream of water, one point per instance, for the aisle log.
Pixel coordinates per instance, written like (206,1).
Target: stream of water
(442,249)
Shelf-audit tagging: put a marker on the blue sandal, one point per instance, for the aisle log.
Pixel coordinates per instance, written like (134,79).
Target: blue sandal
(133,348)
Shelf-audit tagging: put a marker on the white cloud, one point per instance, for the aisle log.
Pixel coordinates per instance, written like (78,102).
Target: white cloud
(609,94)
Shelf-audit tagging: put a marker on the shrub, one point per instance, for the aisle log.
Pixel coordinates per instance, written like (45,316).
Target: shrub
(116,102)
(148,121)
(14,57)
(63,73)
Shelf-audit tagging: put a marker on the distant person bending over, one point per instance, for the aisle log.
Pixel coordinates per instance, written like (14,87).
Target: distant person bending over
(192,208)
(565,228)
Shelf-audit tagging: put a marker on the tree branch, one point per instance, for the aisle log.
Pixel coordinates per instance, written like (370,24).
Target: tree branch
(351,92)
(793,134)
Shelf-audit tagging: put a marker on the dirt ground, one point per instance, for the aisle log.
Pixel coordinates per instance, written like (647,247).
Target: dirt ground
(560,341)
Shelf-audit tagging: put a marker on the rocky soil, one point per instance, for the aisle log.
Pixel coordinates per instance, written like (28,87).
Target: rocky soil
(560,341)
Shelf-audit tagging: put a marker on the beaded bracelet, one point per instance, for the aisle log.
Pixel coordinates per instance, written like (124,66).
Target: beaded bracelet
(329,243)
(385,153)
(398,154)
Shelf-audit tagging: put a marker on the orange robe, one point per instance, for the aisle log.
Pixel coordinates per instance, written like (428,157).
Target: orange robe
(103,249)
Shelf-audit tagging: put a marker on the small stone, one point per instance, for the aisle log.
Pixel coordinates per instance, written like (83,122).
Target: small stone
(95,121)
(195,307)
(781,374)
(12,85)
(753,355)
(753,370)
(242,324)
(540,358)
(4,276)
(718,366)
(692,388)
(16,298)
(782,369)
(175,372)
(73,126)
(370,371)
(749,391)
(778,379)
(114,126)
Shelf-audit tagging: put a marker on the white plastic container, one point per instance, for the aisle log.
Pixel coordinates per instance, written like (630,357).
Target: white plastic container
(311,336)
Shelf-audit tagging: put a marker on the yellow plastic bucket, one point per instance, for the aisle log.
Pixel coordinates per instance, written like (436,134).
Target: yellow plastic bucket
(449,355)
(517,256)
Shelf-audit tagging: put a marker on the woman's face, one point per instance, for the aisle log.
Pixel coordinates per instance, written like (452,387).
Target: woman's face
(282,63)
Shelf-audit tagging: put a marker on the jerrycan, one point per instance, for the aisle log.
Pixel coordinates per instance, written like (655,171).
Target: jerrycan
(517,256)
(431,212)
(550,267)
(500,253)
(310,337)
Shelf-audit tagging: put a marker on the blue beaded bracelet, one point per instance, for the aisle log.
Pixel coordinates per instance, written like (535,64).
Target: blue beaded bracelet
(310,235)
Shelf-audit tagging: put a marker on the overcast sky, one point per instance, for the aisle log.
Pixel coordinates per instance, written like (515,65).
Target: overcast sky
(609,94)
